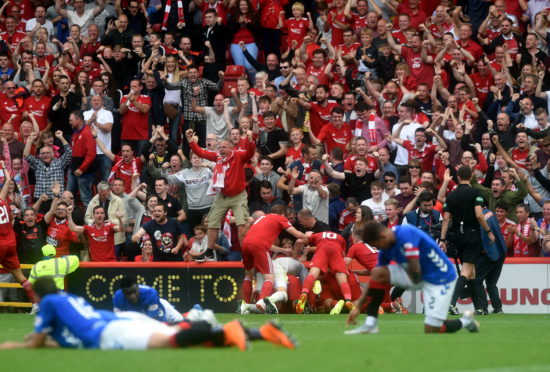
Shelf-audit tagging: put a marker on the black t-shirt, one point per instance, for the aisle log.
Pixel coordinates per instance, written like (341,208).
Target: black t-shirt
(173,205)
(461,203)
(359,187)
(268,143)
(164,238)
(30,240)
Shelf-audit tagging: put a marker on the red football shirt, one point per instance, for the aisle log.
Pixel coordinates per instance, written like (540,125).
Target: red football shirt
(7,235)
(297,29)
(337,31)
(125,171)
(520,156)
(102,241)
(135,125)
(349,163)
(7,108)
(364,254)
(296,154)
(482,85)
(346,217)
(60,236)
(359,22)
(319,116)
(328,239)
(318,72)
(425,155)
(265,230)
(335,137)
(423,72)
(39,109)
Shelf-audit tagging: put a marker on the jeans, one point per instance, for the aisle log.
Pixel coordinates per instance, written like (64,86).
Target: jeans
(82,184)
(105,164)
(175,134)
(238,56)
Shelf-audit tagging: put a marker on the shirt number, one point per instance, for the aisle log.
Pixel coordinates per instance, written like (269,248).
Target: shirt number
(4,216)
(329,235)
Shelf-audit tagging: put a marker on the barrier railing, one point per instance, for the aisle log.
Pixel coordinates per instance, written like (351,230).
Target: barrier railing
(15,285)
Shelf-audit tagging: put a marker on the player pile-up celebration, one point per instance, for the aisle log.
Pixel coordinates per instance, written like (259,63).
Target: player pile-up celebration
(295,136)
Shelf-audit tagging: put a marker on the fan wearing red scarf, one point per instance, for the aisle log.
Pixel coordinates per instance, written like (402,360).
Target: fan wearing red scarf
(228,183)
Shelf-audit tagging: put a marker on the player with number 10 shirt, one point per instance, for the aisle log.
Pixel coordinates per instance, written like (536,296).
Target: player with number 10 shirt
(329,254)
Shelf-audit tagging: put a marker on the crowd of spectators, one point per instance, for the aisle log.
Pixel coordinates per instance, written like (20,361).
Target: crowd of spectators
(126,142)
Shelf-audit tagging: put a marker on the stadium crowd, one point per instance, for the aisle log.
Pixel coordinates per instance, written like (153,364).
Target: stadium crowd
(162,130)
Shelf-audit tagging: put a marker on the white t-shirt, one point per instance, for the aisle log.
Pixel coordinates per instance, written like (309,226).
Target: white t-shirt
(312,201)
(407,133)
(378,208)
(215,123)
(84,22)
(31,24)
(103,117)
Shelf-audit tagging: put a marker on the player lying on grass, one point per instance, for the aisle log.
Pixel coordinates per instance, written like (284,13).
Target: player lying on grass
(65,320)
(419,264)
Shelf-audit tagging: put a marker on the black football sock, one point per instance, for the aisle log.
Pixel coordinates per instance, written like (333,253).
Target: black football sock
(397,292)
(199,333)
(375,295)
(253,334)
(460,284)
(451,326)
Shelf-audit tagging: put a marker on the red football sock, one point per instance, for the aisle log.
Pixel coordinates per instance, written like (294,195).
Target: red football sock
(346,291)
(27,287)
(247,290)
(267,289)
(308,283)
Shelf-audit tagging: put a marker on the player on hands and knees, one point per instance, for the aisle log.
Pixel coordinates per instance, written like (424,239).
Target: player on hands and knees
(419,264)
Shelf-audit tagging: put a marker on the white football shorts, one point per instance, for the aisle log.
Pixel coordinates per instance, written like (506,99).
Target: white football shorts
(131,332)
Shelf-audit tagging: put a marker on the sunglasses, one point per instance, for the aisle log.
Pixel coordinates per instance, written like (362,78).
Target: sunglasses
(414,166)
(389,181)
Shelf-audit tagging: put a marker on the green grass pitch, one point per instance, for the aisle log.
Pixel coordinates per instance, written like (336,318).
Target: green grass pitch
(505,343)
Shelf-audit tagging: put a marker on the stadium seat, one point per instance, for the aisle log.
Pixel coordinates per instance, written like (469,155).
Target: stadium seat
(232,73)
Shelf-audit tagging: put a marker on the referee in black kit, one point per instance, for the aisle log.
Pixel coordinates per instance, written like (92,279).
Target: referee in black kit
(464,206)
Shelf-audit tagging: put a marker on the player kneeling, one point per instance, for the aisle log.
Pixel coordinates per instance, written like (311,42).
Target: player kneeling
(65,320)
(419,264)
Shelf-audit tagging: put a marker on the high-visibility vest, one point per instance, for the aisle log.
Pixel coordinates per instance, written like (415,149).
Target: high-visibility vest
(55,268)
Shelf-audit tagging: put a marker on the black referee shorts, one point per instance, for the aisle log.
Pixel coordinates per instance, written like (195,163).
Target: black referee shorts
(468,244)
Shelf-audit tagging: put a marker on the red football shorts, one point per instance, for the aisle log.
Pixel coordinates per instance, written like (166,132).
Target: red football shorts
(9,258)
(329,256)
(256,258)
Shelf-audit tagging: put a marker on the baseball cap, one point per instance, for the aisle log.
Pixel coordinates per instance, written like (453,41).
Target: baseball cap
(546,141)
(48,250)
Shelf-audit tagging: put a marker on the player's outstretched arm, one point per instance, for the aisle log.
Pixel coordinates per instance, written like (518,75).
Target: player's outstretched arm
(36,340)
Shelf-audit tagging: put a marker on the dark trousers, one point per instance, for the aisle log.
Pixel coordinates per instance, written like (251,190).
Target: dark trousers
(271,41)
(488,271)
(199,127)
(195,217)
